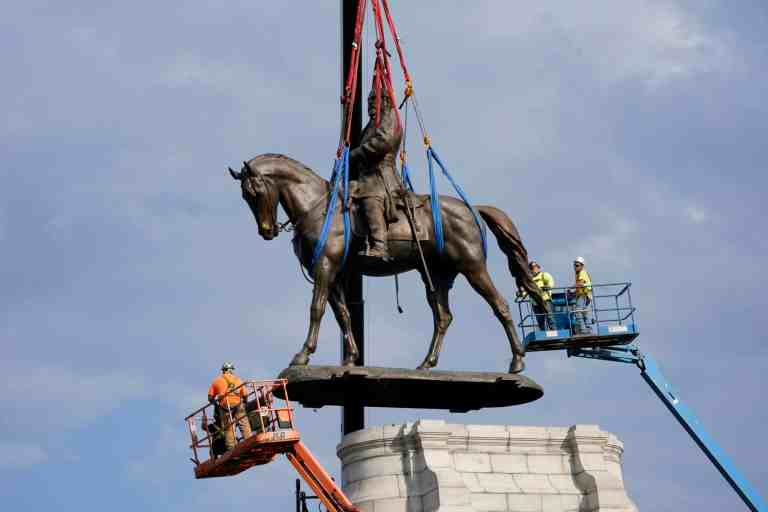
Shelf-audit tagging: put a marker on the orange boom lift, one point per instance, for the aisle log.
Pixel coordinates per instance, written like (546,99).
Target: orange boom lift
(273,434)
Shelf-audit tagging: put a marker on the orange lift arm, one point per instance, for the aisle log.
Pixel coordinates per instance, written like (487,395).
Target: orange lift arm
(318,479)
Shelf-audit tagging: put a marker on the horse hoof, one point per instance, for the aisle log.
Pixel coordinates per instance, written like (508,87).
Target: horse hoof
(428,364)
(300,359)
(517,365)
(350,361)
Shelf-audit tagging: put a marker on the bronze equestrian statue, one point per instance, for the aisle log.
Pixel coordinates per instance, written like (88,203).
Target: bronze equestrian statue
(270,180)
(400,226)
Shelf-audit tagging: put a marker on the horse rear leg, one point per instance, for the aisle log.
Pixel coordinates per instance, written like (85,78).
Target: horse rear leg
(482,284)
(339,305)
(441,314)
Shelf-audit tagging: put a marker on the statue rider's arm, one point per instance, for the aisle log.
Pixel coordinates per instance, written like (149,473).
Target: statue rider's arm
(372,149)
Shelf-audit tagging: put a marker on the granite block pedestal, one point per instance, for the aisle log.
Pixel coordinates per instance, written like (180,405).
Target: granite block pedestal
(431,466)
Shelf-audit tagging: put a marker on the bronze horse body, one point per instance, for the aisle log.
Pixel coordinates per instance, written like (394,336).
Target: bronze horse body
(270,179)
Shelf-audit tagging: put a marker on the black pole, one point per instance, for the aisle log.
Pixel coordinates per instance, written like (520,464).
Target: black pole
(298,495)
(353,415)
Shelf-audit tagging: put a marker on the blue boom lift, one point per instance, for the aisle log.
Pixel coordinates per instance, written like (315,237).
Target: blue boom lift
(605,330)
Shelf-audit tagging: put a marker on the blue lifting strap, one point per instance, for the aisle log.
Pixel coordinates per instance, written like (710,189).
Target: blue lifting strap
(437,218)
(436,214)
(340,174)
(406,177)
(345,207)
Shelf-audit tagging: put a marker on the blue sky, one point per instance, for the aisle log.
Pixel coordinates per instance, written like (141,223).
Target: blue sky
(631,133)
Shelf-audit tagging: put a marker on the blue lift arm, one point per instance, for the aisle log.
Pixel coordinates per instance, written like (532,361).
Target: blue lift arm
(652,375)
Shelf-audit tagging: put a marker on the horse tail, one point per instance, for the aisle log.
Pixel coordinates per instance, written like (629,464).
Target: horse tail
(511,244)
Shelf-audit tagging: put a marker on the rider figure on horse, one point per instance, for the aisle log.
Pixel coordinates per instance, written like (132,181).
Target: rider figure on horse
(375,158)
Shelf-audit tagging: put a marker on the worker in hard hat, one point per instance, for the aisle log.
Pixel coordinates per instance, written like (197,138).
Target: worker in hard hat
(582,294)
(229,395)
(545,282)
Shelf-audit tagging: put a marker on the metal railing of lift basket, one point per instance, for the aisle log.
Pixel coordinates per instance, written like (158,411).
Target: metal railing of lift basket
(259,398)
(620,312)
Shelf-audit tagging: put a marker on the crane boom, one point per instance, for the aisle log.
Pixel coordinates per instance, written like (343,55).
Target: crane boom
(312,472)
(663,389)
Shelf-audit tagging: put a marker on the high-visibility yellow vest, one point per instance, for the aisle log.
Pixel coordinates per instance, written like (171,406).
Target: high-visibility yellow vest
(544,280)
(583,279)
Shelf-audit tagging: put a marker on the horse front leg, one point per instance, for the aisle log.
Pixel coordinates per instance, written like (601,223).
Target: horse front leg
(316,311)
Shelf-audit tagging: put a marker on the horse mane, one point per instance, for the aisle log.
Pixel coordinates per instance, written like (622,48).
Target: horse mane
(291,161)
(278,156)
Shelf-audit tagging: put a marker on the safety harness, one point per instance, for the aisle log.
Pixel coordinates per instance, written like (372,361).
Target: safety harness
(230,388)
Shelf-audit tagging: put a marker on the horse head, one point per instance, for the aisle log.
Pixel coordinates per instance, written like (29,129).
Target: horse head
(261,196)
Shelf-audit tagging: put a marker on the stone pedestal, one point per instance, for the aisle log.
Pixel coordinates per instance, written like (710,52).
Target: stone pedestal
(432,465)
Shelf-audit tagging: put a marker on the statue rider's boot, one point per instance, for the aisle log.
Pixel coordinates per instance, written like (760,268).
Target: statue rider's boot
(378,249)
(374,213)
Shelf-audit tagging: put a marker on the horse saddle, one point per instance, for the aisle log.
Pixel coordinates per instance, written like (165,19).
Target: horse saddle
(398,227)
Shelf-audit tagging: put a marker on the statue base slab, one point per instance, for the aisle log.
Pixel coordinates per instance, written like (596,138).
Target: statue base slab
(370,386)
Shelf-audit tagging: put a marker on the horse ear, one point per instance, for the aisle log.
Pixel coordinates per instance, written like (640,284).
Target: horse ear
(248,170)
(235,175)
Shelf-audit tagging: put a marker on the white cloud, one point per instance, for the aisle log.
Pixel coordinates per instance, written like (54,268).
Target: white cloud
(654,42)
(662,44)
(610,246)
(696,214)
(20,455)
(167,451)
(193,70)
(94,42)
(74,398)
(69,397)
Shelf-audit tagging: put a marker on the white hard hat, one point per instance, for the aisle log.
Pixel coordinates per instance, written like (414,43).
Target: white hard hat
(579,260)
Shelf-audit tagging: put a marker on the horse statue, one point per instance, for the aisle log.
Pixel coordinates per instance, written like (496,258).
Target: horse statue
(271,179)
